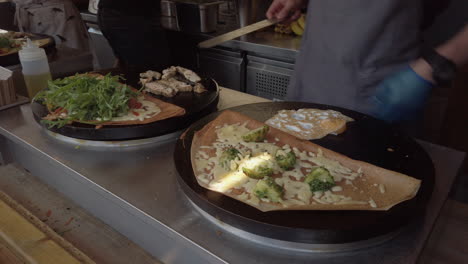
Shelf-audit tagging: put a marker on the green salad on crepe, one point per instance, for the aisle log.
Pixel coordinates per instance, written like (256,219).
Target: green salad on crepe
(86,98)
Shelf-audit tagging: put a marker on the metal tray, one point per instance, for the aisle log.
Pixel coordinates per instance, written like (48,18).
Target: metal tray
(196,106)
(366,139)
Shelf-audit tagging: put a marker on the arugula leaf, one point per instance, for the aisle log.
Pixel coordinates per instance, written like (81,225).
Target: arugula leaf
(5,42)
(86,99)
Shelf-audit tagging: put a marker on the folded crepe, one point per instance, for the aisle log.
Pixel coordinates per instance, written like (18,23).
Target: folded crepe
(167,110)
(358,185)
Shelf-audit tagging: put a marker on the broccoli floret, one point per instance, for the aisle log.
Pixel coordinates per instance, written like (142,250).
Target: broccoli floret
(226,157)
(256,135)
(258,172)
(269,189)
(320,179)
(286,161)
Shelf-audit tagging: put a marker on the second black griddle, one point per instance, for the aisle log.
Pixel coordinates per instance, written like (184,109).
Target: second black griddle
(196,106)
(366,139)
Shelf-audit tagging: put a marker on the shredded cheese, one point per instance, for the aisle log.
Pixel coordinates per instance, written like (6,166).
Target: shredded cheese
(382,188)
(296,191)
(337,189)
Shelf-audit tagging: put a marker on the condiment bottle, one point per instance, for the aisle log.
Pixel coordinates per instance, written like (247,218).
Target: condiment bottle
(36,70)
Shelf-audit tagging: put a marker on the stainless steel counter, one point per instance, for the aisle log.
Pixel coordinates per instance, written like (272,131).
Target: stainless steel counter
(134,190)
(268,43)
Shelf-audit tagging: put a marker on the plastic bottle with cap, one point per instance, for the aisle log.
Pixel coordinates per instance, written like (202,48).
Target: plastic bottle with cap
(36,70)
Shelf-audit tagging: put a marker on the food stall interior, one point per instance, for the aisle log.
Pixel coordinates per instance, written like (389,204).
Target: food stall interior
(140,179)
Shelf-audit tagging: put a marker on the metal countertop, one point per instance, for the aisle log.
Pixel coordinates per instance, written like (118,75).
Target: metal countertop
(264,42)
(135,191)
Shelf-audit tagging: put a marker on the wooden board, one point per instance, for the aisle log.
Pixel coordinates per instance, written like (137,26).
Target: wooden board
(96,239)
(26,239)
(235,34)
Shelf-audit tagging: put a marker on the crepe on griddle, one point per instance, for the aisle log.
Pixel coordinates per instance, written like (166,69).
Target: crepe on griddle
(359,185)
(309,123)
(162,110)
(167,111)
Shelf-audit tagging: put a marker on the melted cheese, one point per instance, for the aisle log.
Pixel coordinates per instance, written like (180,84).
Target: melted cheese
(296,192)
(250,185)
(253,200)
(295,189)
(229,180)
(295,173)
(337,170)
(382,188)
(147,110)
(232,133)
(201,164)
(337,189)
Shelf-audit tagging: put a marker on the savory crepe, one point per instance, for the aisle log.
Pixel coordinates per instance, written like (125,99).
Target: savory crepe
(101,101)
(272,170)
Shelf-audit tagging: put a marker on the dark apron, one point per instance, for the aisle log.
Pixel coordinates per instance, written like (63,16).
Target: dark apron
(135,34)
(350,46)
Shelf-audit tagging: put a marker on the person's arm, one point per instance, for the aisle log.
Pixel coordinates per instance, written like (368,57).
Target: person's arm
(402,95)
(455,49)
(286,10)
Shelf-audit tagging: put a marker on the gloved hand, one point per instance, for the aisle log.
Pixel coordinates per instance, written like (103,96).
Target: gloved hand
(400,96)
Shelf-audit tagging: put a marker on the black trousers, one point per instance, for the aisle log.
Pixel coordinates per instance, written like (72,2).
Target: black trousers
(134,32)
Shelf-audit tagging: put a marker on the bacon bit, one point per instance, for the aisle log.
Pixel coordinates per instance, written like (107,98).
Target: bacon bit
(49,213)
(237,191)
(135,113)
(60,110)
(69,221)
(56,114)
(134,104)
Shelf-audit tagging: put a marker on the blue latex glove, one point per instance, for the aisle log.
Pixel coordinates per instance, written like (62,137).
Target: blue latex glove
(401,96)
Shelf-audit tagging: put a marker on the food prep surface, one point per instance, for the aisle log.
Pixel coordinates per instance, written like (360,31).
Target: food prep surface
(134,190)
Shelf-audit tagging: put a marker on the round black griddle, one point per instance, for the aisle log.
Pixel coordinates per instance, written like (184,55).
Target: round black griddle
(13,58)
(196,106)
(366,139)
